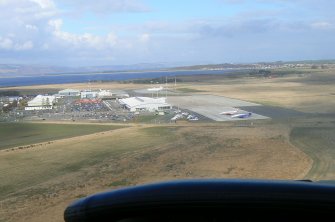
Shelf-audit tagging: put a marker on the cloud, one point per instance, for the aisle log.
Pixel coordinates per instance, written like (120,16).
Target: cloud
(238,27)
(322,25)
(30,27)
(145,38)
(36,24)
(27,9)
(37,30)
(111,39)
(106,6)
(5,43)
(83,41)
(24,46)
(23,18)
(45,4)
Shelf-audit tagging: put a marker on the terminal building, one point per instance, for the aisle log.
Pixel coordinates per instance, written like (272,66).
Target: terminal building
(69,92)
(88,94)
(135,104)
(41,103)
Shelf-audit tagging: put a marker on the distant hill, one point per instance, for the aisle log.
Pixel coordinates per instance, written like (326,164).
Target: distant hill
(23,70)
(12,70)
(257,65)
(214,66)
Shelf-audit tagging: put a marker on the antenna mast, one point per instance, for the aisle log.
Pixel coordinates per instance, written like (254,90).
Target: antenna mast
(165,86)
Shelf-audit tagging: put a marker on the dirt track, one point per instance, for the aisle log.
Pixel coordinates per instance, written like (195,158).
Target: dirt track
(319,144)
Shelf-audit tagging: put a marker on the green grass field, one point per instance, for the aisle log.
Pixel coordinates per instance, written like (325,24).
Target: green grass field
(189,90)
(31,167)
(49,177)
(19,134)
(319,144)
(145,119)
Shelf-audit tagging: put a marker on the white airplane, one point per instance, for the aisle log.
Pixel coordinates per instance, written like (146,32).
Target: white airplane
(156,89)
(241,115)
(229,112)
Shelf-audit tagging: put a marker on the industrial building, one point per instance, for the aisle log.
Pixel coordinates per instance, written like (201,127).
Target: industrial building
(41,102)
(69,92)
(105,94)
(88,94)
(111,95)
(120,95)
(144,104)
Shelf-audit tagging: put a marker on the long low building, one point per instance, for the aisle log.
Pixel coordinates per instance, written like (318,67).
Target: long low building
(41,102)
(69,92)
(145,104)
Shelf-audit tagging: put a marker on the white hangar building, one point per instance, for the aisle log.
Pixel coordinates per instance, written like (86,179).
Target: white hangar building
(41,103)
(144,104)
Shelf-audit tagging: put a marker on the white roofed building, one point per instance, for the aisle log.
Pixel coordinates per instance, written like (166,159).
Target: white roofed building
(69,92)
(145,104)
(41,102)
(88,94)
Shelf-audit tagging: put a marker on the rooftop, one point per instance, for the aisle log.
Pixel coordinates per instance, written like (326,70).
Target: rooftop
(69,90)
(40,100)
(137,101)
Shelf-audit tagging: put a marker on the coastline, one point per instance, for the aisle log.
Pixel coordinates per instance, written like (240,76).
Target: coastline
(85,77)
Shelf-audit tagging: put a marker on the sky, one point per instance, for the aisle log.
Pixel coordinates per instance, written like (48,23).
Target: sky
(174,32)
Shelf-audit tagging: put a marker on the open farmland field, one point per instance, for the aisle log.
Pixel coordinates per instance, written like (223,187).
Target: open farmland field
(21,134)
(37,183)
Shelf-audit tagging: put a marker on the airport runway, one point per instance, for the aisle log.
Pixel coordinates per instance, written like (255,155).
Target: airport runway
(276,112)
(211,106)
(154,93)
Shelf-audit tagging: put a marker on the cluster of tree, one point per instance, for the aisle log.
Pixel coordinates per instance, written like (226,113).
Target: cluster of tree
(261,72)
(9,93)
(153,81)
(23,103)
(215,66)
(323,66)
(9,107)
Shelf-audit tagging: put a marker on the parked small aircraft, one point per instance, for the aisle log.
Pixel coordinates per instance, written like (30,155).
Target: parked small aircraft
(229,112)
(241,115)
(155,89)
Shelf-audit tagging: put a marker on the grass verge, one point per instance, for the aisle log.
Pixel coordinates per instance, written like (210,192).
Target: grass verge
(21,134)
